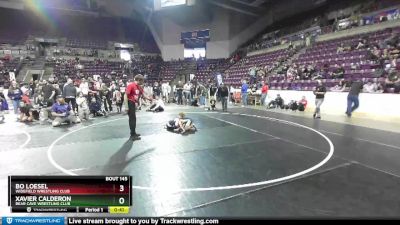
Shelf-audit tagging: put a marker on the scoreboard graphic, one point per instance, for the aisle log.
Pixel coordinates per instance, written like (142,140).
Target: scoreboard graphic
(69,194)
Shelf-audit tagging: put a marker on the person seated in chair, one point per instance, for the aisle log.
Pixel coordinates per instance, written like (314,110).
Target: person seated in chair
(62,113)
(393,81)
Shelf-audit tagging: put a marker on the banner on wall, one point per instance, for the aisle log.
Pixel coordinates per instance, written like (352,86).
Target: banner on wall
(387,15)
(12,75)
(96,77)
(219,79)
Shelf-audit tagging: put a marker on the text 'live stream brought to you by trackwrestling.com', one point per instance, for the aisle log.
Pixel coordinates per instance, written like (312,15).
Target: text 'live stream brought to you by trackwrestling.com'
(139,221)
(105,220)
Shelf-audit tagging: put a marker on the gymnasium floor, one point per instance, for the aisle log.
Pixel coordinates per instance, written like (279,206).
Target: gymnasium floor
(245,163)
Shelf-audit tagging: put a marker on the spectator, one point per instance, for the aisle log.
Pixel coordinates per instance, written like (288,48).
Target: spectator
(370,87)
(179,92)
(26,108)
(164,88)
(69,93)
(117,96)
(15,94)
(303,101)
(106,97)
(48,93)
(340,49)
(122,89)
(253,89)
(341,86)
(213,96)
(3,104)
(291,73)
(95,105)
(390,41)
(378,85)
(362,44)
(244,90)
(57,90)
(375,53)
(84,87)
(352,98)
(393,82)
(338,73)
(83,107)
(192,91)
(278,102)
(302,104)
(319,93)
(264,92)
(186,92)
(202,93)
(224,94)
(148,90)
(394,53)
(61,111)
(156,90)
(318,75)
(253,74)
(232,94)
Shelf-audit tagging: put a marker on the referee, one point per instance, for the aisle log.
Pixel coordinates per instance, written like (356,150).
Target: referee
(133,93)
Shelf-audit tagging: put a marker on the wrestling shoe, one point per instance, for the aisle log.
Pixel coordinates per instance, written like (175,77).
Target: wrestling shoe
(135,138)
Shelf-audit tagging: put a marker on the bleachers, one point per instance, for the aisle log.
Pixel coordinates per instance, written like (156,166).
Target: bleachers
(78,43)
(5,67)
(206,67)
(240,70)
(146,66)
(170,69)
(324,54)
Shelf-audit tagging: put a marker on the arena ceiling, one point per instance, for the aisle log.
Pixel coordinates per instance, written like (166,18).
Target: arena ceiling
(125,8)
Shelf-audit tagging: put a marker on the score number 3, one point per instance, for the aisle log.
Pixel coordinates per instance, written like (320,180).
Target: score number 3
(121,189)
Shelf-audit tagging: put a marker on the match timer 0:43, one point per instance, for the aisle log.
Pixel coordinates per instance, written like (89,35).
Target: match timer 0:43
(88,194)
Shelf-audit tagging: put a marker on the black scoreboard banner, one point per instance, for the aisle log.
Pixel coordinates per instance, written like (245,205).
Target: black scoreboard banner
(195,35)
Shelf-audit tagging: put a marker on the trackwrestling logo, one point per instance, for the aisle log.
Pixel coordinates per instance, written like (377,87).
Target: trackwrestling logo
(33,220)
